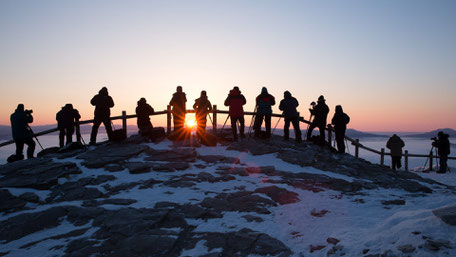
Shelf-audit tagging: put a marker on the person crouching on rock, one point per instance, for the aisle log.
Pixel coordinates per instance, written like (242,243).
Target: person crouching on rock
(235,101)
(340,121)
(143,110)
(320,113)
(202,108)
(102,102)
(288,105)
(264,103)
(21,131)
(66,120)
(395,144)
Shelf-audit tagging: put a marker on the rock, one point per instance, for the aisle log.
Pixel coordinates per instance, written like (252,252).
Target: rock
(320,214)
(436,245)
(314,248)
(408,248)
(29,197)
(114,201)
(205,176)
(393,202)
(138,167)
(218,159)
(48,151)
(279,195)
(446,214)
(37,173)
(337,249)
(251,218)
(332,240)
(113,167)
(25,224)
(110,153)
(242,201)
(177,154)
(10,202)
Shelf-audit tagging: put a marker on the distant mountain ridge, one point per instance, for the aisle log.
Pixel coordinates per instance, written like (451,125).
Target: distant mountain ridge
(434,133)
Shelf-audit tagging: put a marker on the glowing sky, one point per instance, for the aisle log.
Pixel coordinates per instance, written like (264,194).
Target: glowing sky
(390,64)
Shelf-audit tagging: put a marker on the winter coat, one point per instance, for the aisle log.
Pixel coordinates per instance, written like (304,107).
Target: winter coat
(143,110)
(66,117)
(235,101)
(443,145)
(340,119)
(288,106)
(264,102)
(178,102)
(102,103)
(202,107)
(395,144)
(320,112)
(19,125)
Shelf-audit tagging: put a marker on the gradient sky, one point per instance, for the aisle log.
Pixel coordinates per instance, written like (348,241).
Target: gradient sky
(390,64)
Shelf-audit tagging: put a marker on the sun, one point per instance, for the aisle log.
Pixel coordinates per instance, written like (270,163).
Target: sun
(191,123)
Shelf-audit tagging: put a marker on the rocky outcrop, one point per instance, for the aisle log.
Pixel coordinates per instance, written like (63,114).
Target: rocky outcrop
(446,214)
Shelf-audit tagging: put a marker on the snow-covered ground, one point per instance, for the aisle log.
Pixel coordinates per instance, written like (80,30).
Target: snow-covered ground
(359,221)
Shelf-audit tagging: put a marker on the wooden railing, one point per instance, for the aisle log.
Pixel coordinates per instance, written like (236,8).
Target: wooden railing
(355,142)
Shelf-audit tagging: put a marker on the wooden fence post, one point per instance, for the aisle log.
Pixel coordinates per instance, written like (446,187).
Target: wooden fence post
(357,148)
(382,156)
(168,120)
(124,121)
(431,160)
(406,160)
(214,119)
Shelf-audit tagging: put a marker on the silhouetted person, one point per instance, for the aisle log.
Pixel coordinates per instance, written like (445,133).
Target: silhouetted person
(320,113)
(288,105)
(102,102)
(340,121)
(235,101)
(202,108)
(443,146)
(395,144)
(66,120)
(21,131)
(264,103)
(178,108)
(143,110)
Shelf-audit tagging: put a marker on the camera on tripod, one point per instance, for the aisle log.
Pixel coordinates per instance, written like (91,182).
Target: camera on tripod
(28,111)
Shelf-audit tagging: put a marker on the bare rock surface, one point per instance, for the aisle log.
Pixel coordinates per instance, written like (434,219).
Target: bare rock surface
(446,214)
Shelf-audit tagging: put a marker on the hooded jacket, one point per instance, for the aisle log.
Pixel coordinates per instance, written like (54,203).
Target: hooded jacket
(19,124)
(288,105)
(202,107)
(320,111)
(143,110)
(443,144)
(102,102)
(340,119)
(235,101)
(67,116)
(178,102)
(395,144)
(264,102)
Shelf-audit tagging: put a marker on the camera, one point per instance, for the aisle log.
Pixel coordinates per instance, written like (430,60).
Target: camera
(434,139)
(313,103)
(28,111)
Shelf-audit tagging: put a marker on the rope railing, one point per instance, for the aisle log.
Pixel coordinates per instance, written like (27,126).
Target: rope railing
(355,142)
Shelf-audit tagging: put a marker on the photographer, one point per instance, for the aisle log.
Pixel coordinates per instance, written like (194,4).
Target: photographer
(320,113)
(102,102)
(443,146)
(66,120)
(21,131)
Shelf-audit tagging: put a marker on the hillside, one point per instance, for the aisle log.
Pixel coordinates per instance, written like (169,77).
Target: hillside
(248,198)
(433,133)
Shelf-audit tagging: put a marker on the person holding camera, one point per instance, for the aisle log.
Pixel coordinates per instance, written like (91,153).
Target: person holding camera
(443,147)
(340,121)
(235,101)
(395,144)
(320,113)
(21,131)
(202,107)
(264,103)
(178,103)
(66,120)
(102,102)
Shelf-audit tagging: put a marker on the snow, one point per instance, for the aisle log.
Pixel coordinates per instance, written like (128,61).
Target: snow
(358,225)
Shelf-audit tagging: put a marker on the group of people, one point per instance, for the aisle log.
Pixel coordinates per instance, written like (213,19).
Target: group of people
(441,143)
(68,117)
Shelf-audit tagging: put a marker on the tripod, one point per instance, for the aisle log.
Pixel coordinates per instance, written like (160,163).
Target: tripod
(253,119)
(427,159)
(35,137)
